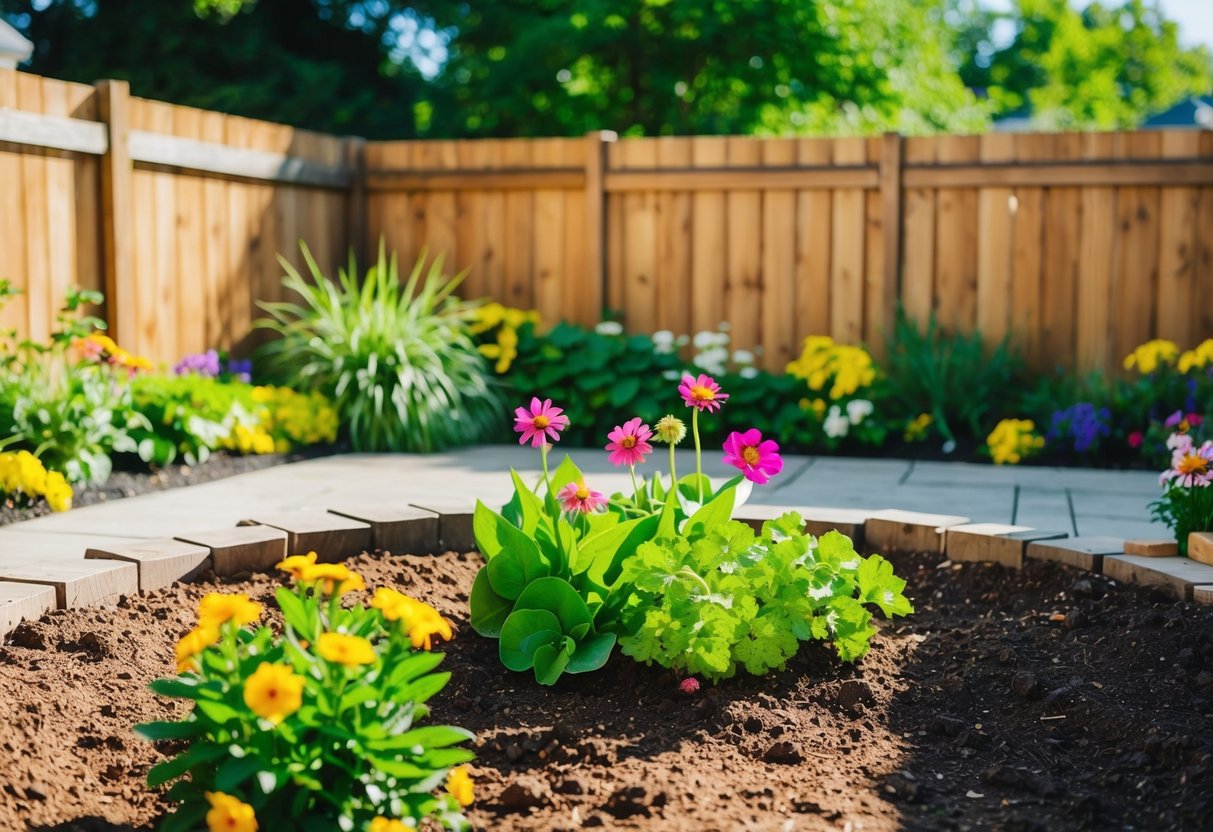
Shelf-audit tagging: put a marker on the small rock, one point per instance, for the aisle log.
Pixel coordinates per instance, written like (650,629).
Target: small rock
(1084,588)
(1024,684)
(525,793)
(853,692)
(783,752)
(752,724)
(570,785)
(513,752)
(627,802)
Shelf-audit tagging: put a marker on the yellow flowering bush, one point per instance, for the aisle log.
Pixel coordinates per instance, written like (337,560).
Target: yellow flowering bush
(841,369)
(496,329)
(23,475)
(1012,440)
(1152,355)
(295,418)
(314,725)
(916,428)
(100,347)
(1197,358)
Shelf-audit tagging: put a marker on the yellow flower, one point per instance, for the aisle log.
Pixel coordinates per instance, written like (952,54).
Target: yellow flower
(421,621)
(295,564)
(273,692)
(216,608)
(382,824)
(1152,354)
(58,493)
(193,643)
(848,369)
(670,429)
(1197,358)
(331,577)
(917,427)
(350,651)
(1012,440)
(459,786)
(229,814)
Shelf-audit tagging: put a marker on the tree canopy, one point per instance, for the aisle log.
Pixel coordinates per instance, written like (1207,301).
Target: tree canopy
(405,68)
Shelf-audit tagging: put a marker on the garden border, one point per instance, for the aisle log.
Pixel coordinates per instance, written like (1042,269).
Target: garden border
(423,526)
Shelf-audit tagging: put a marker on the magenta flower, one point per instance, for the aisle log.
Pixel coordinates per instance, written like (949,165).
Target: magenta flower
(629,442)
(539,423)
(577,497)
(1191,466)
(689,685)
(758,460)
(702,393)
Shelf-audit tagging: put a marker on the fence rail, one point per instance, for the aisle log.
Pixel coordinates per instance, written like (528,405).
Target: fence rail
(1078,245)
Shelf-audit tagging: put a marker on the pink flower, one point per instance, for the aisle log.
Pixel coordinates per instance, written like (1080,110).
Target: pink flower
(1179,442)
(1135,439)
(689,685)
(1174,419)
(1194,419)
(702,393)
(577,497)
(629,442)
(1191,466)
(539,423)
(758,460)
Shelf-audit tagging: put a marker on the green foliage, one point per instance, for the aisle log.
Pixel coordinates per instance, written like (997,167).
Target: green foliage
(395,359)
(1107,66)
(316,741)
(595,376)
(952,376)
(720,597)
(188,416)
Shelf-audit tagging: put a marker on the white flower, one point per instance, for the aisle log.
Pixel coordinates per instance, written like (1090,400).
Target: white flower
(858,410)
(712,360)
(721,339)
(663,341)
(703,339)
(609,328)
(836,424)
(743,357)
(672,375)
(748,372)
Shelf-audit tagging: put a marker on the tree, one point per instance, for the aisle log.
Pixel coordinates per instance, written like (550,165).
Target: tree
(1106,67)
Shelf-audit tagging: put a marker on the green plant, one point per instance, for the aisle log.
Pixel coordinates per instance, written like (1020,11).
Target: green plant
(950,375)
(396,361)
(316,727)
(188,416)
(717,597)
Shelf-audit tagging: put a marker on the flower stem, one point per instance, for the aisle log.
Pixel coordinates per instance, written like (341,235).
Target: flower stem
(691,575)
(543,452)
(698,452)
(673,476)
(635,487)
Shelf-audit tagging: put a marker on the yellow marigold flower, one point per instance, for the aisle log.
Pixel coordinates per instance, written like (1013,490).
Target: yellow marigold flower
(670,429)
(917,427)
(1012,440)
(1148,357)
(459,786)
(1197,358)
(193,643)
(332,577)
(273,692)
(295,564)
(343,649)
(58,493)
(229,814)
(216,608)
(421,621)
(382,824)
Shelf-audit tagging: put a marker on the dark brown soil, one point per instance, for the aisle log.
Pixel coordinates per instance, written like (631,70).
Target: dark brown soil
(130,483)
(985,710)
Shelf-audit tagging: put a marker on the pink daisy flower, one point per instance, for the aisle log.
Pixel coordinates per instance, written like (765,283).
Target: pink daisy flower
(577,497)
(1191,466)
(629,442)
(758,460)
(540,422)
(702,393)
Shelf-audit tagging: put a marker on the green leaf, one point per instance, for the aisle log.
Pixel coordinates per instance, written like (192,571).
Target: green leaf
(716,512)
(232,773)
(399,768)
(592,653)
(156,731)
(217,712)
(565,473)
(512,569)
(558,597)
(179,688)
(197,754)
(550,662)
(495,534)
(488,610)
(428,737)
(295,613)
(878,585)
(523,633)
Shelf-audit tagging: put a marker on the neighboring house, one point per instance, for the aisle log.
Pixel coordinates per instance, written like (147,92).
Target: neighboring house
(14,48)
(1195,113)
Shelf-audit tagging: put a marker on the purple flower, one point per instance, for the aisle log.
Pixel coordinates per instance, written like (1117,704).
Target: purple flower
(1083,424)
(203,364)
(240,369)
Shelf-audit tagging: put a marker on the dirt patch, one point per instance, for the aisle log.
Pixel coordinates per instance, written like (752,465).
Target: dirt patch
(133,482)
(987,709)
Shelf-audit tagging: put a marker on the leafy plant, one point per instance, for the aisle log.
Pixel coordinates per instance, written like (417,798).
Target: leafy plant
(317,727)
(188,416)
(396,360)
(718,597)
(950,375)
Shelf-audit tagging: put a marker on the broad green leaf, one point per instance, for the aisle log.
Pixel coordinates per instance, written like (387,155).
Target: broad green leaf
(232,773)
(550,662)
(294,612)
(428,737)
(196,754)
(565,473)
(592,653)
(878,585)
(495,534)
(558,597)
(170,730)
(716,512)
(523,633)
(527,506)
(512,569)
(217,712)
(180,688)
(488,609)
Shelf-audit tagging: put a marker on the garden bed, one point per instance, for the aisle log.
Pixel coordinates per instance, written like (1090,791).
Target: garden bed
(133,483)
(1037,699)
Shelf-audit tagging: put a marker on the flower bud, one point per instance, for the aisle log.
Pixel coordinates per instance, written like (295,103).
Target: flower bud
(671,430)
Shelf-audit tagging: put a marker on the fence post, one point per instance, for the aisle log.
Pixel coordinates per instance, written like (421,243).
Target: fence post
(117,231)
(890,224)
(355,228)
(595,225)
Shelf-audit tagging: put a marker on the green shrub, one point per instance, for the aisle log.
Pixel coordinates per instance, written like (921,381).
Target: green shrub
(396,361)
(188,416)
(952,376)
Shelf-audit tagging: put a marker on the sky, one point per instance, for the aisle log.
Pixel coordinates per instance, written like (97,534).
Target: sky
(1195,18)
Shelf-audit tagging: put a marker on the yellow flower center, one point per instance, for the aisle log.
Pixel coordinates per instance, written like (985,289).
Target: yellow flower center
(1192,464)
(583,493)
(750,455)
(702,394)
(627,442)
(541,421)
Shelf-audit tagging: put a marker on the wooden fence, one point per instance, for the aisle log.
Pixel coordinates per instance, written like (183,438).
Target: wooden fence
(1080,246)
